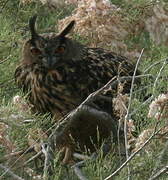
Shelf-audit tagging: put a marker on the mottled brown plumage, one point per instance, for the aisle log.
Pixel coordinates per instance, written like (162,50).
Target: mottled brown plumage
(56,81)
(58,73)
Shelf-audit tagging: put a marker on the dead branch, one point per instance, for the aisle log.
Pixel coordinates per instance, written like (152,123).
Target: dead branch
(155,64)
(116,172)
(79,173)
(46,150)
(159,173)
(4,60)
(14,176)
(77,166)
(161,162)
(80,156)
(128,110)
(141,105)
(32,158)
(158,76)
(22,154)
(13,154)
(6,83)
(155,132)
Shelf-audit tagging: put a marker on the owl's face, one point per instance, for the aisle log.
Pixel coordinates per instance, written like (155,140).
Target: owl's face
(50,50)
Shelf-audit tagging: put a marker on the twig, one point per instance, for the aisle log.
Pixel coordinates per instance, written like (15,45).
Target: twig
(154,64)
(18,153)
(128,110)
(116,172)
(160,71)
(140,106)
(80,156)
(159,173)
(79,173)
(77,166)
(48,160)
(14,176)
(8,156)
(32,158)
(2,61)
(6,83)
(25,152)
(161,160)
(154,86)
(138,150)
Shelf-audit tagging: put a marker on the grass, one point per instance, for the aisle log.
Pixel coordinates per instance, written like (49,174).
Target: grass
(13,31)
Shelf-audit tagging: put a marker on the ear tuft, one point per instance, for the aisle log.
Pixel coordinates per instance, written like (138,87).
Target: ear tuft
(32,22)
(67,29)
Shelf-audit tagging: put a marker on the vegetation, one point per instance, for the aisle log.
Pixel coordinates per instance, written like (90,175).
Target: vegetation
(17,126)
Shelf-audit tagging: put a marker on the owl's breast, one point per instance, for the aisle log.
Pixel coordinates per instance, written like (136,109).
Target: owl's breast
(47,90)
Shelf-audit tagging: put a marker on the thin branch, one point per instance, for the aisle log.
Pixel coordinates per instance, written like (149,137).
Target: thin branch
(128,110)
(132,85)
(79,173)
(154,64)
(159,173)
(80,156)
(77,166)
(2,61)
(141,105)
(32,158)
(159,74)
(14,176)
(6,83)
(155,131)
(132,156)
(25,152)
(18,153)
(48,160)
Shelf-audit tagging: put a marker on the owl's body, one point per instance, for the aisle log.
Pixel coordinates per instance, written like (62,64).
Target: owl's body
(61,88)
(58,73)
(57,82)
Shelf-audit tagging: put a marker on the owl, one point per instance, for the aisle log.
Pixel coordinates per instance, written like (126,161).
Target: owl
(57,73)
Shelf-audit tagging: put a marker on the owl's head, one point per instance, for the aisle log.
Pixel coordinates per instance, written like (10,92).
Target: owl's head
(50,50)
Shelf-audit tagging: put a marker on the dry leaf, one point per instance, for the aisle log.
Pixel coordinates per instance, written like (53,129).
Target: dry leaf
(159,107)
(4,138)
(36,137)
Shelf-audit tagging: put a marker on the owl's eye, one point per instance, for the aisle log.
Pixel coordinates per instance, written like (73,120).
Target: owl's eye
(60,49)
(35,51)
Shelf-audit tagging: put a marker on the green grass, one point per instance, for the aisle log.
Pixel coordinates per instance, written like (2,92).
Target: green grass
(14,30)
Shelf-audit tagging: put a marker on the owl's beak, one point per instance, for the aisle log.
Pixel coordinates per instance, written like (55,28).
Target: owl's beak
(50,62)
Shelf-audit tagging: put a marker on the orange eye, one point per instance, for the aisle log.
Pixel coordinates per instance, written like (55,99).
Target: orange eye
(35,51)
(60,49)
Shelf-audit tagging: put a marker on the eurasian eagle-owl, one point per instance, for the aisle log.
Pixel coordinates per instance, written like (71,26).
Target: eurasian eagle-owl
(58,73)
